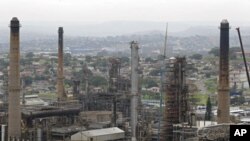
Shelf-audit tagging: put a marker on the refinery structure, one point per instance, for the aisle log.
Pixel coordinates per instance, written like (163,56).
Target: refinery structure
(118,113)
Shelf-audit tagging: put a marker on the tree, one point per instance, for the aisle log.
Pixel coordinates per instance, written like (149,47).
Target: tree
(101,62)
(232,52)
(25,61)
(4,63)
(196,56)
(27,80)
(155,72)
(208,115)
(88,59)
(98,81)
(160,57)
(30,55)
(124,60)
(215,51)
(149,60)
(67,59)
(148,83)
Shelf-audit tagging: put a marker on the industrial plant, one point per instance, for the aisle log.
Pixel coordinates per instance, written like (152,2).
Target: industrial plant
(119,111)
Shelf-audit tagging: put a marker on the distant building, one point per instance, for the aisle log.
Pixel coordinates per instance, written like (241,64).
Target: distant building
(154,89)
(32,100)
(238,78)
(97,90)
(239,54)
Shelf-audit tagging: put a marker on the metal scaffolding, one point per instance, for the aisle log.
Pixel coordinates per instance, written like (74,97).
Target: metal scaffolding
(176,96)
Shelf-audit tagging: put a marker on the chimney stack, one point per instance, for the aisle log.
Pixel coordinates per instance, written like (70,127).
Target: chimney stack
(223,115)
(134,87)
(14,113)
(60,78)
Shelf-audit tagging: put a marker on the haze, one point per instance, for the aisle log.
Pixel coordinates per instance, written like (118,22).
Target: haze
(110,10)
(49,14)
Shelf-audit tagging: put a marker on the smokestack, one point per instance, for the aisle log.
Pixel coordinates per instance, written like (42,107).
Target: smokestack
(14,113)
(60,79)
(223,89)
(134,87)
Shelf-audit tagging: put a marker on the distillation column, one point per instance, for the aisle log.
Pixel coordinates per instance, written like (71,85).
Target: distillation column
(134,87)
(223,88)
(14,113)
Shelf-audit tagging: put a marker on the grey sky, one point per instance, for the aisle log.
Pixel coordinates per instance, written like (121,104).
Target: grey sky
(124,10)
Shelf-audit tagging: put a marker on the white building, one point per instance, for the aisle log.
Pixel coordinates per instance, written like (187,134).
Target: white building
(99,135)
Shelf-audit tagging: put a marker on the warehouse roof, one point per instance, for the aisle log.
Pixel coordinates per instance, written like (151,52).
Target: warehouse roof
(100,132)
(105,134)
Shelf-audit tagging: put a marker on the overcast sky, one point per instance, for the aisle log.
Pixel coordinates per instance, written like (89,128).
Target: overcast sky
(125,10)
(107,17)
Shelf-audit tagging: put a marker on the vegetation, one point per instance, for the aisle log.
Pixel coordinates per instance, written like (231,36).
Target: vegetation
(124,60)
(27,80)
(98,81)
(30,55)
(198,99)
(4,63)
(67,59)
(150,60)
(208,114)
(196,56)
(155,72)
(215,51)
(40,77)
(88,59)
(48,95)
(149,82)
(150,95)
(211,85)
(100,63)
(232,52)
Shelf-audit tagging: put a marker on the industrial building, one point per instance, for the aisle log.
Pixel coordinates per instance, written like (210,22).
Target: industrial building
(106,134)
(117,114)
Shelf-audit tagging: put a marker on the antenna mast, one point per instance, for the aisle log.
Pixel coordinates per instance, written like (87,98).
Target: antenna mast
(165,42)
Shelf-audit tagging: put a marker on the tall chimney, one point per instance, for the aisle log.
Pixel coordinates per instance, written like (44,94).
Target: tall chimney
(14,113)
(60,78)
(223,89)
(134,87)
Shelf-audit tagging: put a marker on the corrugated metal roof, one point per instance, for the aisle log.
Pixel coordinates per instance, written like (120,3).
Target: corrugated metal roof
(105,134)
(100,132)
(34,101)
